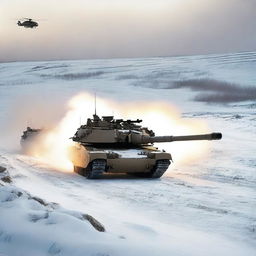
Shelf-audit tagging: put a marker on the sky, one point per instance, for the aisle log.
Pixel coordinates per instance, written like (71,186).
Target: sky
(82,29)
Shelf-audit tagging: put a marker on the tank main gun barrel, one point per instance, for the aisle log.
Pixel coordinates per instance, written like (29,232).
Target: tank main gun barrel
(153,139)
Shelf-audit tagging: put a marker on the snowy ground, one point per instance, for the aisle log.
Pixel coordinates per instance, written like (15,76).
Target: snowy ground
(205,206)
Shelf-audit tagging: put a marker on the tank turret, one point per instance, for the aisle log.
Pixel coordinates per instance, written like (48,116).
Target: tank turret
(108,145)
(126,132)
(30,132)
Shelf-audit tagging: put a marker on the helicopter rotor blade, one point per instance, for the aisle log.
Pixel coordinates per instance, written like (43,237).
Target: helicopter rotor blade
(33,19)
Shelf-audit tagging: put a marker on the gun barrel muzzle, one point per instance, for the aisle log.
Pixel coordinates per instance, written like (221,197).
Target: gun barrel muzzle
(216,136)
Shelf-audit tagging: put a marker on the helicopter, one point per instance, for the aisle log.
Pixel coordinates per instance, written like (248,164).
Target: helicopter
(28,23)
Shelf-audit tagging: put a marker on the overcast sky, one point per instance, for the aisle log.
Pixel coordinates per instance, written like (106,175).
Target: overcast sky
(79,29)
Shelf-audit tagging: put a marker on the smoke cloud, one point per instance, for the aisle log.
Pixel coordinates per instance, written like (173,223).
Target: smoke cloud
(215,91)
(33,111)
(61,120)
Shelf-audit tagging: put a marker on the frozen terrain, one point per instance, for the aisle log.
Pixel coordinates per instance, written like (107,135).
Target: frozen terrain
(205,204)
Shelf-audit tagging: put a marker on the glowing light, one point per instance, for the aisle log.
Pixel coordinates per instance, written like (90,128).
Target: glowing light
(165,119)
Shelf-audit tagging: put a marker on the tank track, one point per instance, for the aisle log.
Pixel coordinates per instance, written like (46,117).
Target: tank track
(160,168)
(95,169)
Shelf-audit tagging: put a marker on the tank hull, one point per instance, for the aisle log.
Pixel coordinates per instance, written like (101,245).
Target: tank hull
(140,162)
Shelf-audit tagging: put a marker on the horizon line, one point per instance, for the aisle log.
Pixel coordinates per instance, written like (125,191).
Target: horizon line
(142,57)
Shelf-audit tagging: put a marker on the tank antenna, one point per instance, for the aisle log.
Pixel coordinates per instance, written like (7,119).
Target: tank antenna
(95,103)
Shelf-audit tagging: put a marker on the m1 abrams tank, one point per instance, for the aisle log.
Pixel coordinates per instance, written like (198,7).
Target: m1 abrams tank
(108,145)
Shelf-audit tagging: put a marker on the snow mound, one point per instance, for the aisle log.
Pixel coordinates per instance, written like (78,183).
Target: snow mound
(38,227)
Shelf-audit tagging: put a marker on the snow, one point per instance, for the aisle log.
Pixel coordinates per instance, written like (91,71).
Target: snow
(204,205)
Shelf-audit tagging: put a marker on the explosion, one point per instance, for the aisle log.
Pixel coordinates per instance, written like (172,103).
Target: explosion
(52,145)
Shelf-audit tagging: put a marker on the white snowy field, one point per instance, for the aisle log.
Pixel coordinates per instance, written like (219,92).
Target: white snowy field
(205,204)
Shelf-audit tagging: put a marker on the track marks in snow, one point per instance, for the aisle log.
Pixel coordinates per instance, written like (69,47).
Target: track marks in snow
(5,237)
(54,249)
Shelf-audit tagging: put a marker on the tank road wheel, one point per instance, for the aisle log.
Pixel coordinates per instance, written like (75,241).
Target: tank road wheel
(79,170)
(160,168)
(95,169)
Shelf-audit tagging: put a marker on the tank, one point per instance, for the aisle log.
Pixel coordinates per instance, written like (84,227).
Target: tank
(108,145)
(28,135)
